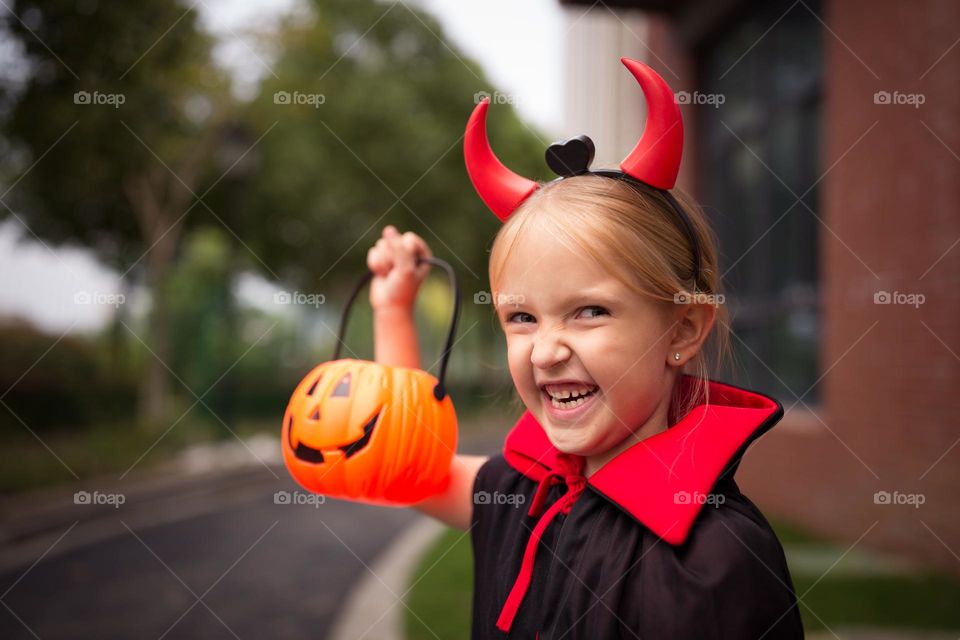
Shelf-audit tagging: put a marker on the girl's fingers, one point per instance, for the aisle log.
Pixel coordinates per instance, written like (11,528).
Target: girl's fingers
(403,257)
(379,261)
(416,247)
(415,244)
(380,256)
(394,250)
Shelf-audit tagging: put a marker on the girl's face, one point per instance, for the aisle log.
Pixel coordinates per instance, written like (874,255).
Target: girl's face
(566,319)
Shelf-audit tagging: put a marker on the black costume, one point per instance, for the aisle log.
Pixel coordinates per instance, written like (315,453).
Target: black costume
(658,543)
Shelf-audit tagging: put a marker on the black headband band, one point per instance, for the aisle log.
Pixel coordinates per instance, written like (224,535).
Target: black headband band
(572,157)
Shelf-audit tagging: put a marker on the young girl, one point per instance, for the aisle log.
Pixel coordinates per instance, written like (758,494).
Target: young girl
(612,512)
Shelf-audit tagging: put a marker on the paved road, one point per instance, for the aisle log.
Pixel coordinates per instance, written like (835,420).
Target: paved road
(261,570)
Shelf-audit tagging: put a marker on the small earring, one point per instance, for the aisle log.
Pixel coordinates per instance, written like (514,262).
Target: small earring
(676,356)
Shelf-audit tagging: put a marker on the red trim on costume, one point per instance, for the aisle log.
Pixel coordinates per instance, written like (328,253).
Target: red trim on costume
(569,470)
(662,481)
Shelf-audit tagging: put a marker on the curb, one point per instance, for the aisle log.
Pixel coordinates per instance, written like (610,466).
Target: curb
(372,609)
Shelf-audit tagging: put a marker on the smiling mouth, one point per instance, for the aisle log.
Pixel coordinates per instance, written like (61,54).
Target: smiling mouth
(315,456)
(569,404)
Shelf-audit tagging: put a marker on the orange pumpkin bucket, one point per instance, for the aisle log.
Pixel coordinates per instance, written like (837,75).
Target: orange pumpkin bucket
(369,432)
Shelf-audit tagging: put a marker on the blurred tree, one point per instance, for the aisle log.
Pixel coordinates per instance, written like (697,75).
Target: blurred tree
(67,387)
(366,114)
(110,129)
(117,123)
(199,301)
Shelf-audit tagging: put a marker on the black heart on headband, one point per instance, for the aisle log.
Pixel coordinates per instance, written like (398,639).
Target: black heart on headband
(571,157)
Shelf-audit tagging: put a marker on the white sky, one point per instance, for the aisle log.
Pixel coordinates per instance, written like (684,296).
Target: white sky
(517,43)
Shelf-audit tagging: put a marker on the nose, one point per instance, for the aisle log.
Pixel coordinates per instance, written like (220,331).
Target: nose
(549,348)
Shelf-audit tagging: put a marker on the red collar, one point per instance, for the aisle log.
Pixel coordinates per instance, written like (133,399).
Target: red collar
(663,480)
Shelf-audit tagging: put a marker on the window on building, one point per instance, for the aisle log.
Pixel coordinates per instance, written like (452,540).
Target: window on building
(758,173)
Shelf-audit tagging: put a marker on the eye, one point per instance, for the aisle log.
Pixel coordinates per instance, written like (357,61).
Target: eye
(511,316)
(601,310)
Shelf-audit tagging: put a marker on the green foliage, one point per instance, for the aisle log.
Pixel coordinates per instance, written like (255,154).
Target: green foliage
(106,448)
(921,601)
(70,384)
(853,588)
(441,597)
(312,192)
(202,308)
(120,51)
(395,105)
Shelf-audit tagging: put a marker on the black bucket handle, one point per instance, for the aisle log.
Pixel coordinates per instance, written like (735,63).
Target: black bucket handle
(439,392)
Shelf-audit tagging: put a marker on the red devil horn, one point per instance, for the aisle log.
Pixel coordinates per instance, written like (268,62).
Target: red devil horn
(501,189)
(656,158)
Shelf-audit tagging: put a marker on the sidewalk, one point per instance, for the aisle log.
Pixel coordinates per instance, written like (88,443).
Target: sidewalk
(374,609)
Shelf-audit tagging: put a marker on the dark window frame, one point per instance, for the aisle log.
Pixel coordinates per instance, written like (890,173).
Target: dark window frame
(772,108)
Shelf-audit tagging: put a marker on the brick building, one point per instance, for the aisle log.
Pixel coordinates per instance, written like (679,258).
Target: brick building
(823,138)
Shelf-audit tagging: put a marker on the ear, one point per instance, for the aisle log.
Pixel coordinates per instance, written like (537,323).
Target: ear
(694,321)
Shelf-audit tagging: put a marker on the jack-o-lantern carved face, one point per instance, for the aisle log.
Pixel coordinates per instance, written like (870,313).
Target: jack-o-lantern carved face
(314,454)
(369,432)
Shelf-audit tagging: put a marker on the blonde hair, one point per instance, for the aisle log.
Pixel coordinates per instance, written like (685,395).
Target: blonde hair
(634,236)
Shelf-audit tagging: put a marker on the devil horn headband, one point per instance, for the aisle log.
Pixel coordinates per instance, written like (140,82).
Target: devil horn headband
(654,161)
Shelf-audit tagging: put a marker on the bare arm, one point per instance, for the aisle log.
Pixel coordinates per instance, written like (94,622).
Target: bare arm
(395,344)
(395,338)
(454,507)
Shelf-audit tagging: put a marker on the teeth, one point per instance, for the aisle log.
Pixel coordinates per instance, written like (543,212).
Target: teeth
(567,404)
(569,400)
(562,395)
